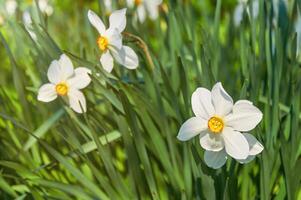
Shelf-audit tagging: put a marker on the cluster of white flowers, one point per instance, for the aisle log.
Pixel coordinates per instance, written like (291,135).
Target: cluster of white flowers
(66,82)
(44,6)
(221,124)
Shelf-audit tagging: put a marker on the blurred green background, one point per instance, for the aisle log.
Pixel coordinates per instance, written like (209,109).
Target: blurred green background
(125,146)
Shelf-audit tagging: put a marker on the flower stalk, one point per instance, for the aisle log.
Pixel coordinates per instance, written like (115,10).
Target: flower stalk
(143,46)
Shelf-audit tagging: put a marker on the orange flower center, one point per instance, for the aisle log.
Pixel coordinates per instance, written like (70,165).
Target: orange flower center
(61,89)
(138,2)
(102,43)
(215,124)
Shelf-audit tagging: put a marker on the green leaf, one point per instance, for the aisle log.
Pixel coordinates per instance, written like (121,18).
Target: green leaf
(43,129)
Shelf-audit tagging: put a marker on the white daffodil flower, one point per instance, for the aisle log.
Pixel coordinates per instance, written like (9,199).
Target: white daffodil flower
(66,82)
(219,124)
(145,7)
(28,23)
(110,41)
(11,6)
(45,7)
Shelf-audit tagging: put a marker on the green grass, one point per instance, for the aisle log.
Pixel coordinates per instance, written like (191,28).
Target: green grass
(125,146)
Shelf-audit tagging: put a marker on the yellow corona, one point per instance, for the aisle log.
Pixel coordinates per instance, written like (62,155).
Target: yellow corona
(138,2)
(215,124)
(102,43)
(61,89)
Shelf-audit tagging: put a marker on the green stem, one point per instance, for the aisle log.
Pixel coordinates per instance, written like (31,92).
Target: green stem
(143,46)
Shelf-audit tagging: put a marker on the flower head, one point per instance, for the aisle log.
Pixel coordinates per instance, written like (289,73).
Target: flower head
(220,124)
(45,7)
(28,23)
(66,82)
(11,6)
(145,7)
(109,41)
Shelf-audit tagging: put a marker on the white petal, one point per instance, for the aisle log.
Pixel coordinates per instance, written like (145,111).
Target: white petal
(238,14)
(66,67)
(77,101)
(81,78)
(153,13)
(152,8)
(141,12)
(96,22)
(222,102)
(236,144)
(157,2)
(114,38)
(130,3)
(47,93)
(211,141)
(118,20)
(245,116)
(247,160)
(215,159)
(202,104)
(106,61)
(54,72)
(254,146)
(131,59)
(126,56)
(191,128)
(108,5)
(27,18)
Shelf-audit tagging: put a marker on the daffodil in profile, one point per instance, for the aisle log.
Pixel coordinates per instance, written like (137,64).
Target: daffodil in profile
(222,126)
(145,7)
(109,41)
(66,82)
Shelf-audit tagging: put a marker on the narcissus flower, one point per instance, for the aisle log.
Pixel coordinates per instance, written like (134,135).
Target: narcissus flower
(28,23)
(219,124)
(11,6)
(45,7)
(66,82)
(145,7)
(110,41)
